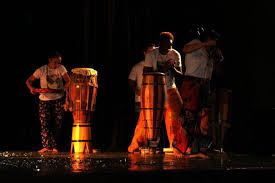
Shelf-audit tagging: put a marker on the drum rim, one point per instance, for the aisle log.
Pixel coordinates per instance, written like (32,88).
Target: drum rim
(154,73)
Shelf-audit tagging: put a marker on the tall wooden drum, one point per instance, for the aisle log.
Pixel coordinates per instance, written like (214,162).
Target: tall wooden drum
(220,116)
(153,96)
(224,98)
(82,96)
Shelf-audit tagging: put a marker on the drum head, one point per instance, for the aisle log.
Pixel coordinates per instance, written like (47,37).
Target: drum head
(84,71)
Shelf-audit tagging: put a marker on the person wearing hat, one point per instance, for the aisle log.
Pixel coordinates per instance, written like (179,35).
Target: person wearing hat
(201,54)
(52,77)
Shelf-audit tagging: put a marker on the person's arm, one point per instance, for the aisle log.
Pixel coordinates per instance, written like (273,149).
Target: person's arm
(177,70)
(175,65)
(220,54)
(148,65)
(67,80)
(133,85)
(132,79)
(193,47)
(29,84)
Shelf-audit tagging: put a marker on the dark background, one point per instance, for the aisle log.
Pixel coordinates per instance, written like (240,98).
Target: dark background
(107,35)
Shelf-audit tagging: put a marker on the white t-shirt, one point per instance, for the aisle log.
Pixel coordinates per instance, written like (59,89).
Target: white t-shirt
(197,63)
(51,79)
(136,74)
(155,58)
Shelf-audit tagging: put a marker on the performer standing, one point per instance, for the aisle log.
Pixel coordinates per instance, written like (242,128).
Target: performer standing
(136,76)
(200,56)
(167,60)
(51,104)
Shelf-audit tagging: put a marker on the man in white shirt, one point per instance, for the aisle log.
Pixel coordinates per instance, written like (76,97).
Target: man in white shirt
(200,56)
(167,60)
(136,76)
(50,104)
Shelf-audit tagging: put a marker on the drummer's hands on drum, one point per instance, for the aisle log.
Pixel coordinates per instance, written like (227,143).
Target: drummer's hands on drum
(170,64)
(164,67)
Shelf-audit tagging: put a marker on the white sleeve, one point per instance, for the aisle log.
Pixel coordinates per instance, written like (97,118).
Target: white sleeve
(194,41)
(148,60)
(62,70)
(37,73)
(133,74)
(178,59)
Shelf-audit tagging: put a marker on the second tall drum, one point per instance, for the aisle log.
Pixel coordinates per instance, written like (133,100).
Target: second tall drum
(153,96)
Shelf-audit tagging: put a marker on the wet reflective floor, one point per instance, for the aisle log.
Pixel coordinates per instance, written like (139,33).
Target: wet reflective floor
(113,166)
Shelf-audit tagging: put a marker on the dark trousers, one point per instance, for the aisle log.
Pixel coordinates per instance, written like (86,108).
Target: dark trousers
(51,115)
(194,92)
(137,110)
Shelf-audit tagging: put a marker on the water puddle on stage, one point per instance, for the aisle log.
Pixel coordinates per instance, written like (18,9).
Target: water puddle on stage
(65,163)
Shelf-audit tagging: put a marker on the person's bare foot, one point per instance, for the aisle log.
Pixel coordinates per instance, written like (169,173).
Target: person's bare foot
(188,151)
(177,153)
(43,150)
(198,155)
(203,156)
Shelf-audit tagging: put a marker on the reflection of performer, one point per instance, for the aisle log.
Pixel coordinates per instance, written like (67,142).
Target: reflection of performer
(51,104)
(201,55)
(135,78)
(167,60)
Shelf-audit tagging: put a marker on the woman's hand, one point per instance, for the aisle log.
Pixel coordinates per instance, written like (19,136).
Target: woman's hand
(32,90)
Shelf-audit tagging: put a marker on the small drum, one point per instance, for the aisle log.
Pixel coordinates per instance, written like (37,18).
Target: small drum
(46,90)
(82,99)
(224,98)
(153,96)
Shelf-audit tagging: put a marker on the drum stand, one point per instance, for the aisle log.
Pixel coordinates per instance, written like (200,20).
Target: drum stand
(152,147)
(220,116)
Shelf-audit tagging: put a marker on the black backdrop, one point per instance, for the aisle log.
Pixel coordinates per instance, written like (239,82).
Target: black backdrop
(107,35)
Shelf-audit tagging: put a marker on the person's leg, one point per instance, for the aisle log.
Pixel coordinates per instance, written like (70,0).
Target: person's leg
(139,138)
(176,134)
(190,92)
(58,113)
(168,124)
(204,121)
(44,117)
(203,106)
(137,110)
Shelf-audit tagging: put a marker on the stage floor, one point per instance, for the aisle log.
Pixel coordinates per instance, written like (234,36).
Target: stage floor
(120,166)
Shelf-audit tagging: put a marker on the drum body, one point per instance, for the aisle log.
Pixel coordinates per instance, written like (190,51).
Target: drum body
(82,95)
(153,96)
(220,116)
(81,138)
